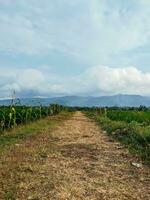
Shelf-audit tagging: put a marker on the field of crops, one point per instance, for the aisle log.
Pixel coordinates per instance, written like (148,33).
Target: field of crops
(129,116)
(11,116)
(129,126)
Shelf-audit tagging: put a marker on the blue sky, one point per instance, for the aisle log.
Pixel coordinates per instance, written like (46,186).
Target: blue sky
(74,47)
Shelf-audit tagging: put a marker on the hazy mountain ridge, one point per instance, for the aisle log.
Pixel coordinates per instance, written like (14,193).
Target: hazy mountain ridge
(116,100)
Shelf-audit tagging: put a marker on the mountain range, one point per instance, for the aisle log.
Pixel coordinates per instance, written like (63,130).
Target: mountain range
(116,100)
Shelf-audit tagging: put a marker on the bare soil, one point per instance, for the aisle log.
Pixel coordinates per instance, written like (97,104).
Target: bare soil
(75,161)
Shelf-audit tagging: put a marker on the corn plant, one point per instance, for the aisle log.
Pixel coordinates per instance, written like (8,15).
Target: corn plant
(11,116)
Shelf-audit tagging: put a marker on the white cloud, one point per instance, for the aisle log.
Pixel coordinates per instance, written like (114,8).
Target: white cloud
(29,82)
(120,26)
(91,30)
(106,80)
(100,80)
(30,78)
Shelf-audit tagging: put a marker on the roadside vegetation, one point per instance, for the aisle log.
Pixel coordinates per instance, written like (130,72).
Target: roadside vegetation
(12,116)
(20,122)
(21,132)
(130,126)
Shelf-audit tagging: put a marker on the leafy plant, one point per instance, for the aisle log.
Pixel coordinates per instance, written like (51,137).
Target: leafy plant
(12,116)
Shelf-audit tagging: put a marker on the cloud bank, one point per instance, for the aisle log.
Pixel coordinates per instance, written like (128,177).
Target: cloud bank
(106,80)
(100,80)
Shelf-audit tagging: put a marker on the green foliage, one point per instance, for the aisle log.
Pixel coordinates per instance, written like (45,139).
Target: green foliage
(135,136)
(129,116)
(11,116)
(129,126)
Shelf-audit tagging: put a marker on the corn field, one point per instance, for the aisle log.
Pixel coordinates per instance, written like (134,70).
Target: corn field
(130,116)
(12,116)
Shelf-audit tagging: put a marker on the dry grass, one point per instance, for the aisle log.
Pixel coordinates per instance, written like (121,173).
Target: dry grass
(75,161)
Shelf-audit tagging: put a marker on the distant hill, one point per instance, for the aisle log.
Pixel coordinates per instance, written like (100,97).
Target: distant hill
(116,100)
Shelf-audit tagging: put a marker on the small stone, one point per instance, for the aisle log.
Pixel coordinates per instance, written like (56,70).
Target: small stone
(33,198)
(17,145)
(138,165)
(30,198)
(120,147)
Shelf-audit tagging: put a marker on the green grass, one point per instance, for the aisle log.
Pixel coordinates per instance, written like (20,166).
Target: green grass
(23,131)
(134,135)
(10,195)
(129,116)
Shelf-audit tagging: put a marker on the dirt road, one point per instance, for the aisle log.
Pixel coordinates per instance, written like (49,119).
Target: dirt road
(76,161)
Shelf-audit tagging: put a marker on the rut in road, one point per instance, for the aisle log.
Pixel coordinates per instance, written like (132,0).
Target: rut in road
(80,162)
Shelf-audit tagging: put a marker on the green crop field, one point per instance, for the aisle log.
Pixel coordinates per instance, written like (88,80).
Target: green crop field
(130,116)
(12,116)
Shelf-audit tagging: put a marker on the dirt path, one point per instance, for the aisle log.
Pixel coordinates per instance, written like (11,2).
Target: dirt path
(75,162)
